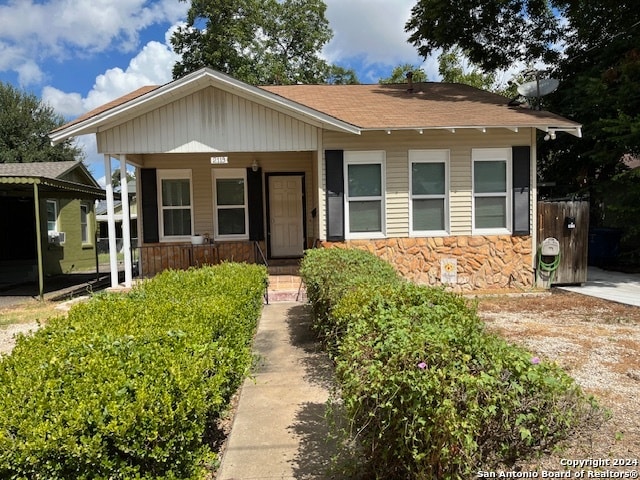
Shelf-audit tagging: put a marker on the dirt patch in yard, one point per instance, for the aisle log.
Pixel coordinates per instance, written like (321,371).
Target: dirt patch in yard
(597,342)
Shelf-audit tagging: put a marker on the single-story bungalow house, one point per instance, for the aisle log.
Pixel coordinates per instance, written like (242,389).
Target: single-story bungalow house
(437,178)
(47,226)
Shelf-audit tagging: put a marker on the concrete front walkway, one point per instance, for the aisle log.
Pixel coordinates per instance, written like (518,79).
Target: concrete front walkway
(615,286)
(279,430)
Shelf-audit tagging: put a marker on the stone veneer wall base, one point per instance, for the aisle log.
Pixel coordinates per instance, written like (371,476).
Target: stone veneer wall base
(484,263)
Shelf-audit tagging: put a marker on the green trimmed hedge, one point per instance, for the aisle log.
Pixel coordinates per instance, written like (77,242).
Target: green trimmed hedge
(329,273)
(427,392)
(129,386)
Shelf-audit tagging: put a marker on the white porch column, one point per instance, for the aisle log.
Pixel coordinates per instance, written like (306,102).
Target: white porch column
(126,229)
(111,222)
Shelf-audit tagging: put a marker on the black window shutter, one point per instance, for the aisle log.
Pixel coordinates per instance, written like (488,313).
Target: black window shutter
(149,187)
(254,194)
(334,161)
(521,190)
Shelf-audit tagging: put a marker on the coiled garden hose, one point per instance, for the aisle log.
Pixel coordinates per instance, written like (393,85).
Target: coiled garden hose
(548,267)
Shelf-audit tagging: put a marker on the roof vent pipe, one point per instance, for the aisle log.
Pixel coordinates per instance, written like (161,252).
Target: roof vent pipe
(410,82)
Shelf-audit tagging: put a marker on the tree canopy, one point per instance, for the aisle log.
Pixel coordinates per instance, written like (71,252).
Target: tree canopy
(451,68)
(491,34)
(258,41)
(24,126)
(593,48)
(399,74)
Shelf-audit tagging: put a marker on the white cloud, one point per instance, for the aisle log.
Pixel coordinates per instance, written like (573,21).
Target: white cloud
(29,73)
(66,104)
(60,29)
(374,28)
(151,66)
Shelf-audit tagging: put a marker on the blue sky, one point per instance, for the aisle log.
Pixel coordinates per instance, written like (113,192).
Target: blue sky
(79,54)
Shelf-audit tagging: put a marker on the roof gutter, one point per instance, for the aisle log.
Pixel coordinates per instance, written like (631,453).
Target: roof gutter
(51,182)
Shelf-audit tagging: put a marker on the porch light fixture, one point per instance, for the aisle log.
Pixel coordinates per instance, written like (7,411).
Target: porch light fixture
(254,165)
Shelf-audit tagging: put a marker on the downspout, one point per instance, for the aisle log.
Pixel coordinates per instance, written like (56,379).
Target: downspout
(126,230)
(111,221)
(36,201)
(320,191)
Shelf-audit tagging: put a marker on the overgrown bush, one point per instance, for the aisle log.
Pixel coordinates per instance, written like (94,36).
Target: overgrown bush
(130,386)
(429,394)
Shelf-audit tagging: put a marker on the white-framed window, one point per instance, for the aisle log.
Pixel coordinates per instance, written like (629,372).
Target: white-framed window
(175,202)
(428,192)
(52,216)
(364,174)
(84,222)
(491,184)
(230,199)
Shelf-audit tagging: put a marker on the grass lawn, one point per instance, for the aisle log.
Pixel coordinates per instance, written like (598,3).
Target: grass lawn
(29,312)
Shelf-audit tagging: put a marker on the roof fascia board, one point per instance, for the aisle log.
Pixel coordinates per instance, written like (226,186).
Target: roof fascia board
(575,130)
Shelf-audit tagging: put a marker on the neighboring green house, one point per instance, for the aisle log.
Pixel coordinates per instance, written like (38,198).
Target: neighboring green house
(63,196)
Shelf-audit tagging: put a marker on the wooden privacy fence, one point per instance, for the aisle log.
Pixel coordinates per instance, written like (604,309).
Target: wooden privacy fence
(568,222)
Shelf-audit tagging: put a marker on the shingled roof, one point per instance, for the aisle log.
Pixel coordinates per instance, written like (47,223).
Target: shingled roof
(108,106)
(427,105)
(355,108)
(51,175)
(37,169)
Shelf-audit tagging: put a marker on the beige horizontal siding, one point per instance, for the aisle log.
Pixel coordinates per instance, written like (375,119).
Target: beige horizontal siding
(397,146)
(209,120)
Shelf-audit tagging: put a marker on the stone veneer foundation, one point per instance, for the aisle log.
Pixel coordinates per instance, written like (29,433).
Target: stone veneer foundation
(500,262)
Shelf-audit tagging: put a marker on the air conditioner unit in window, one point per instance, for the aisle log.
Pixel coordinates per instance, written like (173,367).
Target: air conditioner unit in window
(56,238)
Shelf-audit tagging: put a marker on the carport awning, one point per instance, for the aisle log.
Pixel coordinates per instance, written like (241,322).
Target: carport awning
(24,185)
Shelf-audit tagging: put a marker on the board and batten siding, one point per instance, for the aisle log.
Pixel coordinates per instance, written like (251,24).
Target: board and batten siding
(210,120)
(397,145)
(202,180)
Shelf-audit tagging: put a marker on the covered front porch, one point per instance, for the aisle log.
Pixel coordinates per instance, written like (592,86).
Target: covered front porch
(198,209)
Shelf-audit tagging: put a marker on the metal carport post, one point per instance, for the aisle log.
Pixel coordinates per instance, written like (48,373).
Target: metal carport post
(36,201)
